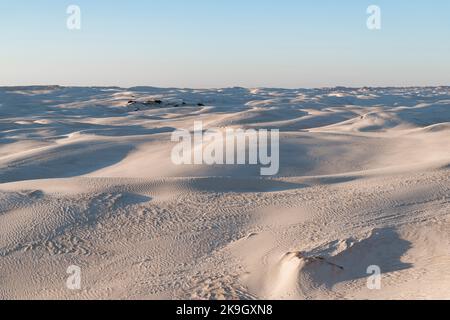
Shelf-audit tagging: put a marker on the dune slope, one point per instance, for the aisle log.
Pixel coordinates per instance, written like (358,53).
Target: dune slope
(86,179)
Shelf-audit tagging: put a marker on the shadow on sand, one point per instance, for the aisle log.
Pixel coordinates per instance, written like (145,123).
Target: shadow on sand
(384,248)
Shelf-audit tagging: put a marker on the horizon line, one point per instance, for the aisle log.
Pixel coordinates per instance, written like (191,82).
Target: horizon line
(225,87)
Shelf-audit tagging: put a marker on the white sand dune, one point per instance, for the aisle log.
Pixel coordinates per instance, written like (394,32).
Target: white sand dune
(86,179)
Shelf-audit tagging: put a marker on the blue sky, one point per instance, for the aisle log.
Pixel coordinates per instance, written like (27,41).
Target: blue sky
(220,43)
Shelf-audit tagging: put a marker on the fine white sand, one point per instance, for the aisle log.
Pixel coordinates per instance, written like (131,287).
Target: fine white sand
(86,179)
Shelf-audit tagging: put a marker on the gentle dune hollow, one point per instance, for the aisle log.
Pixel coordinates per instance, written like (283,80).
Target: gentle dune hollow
(87,180)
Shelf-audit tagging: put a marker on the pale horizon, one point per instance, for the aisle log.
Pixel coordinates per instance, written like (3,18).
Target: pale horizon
(281,44)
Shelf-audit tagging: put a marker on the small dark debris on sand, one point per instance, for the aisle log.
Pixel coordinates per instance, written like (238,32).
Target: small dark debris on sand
(302,256)
(159,103)
(153,102)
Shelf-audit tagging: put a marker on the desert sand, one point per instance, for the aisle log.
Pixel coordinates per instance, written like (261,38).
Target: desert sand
(86,179)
